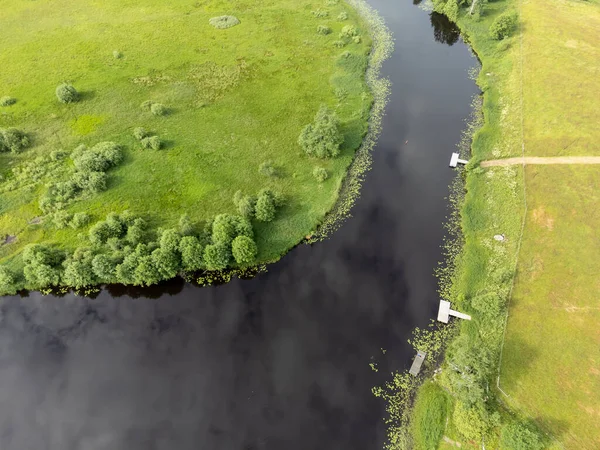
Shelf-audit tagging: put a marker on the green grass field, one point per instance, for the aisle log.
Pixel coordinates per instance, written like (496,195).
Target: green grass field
(542,92)
(551,363)
(237,97)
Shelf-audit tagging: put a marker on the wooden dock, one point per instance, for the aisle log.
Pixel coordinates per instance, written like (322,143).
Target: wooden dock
(416,365)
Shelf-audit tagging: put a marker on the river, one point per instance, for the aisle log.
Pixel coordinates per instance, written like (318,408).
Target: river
(277,362)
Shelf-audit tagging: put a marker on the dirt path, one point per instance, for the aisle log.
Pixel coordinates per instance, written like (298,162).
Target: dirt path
(542,160)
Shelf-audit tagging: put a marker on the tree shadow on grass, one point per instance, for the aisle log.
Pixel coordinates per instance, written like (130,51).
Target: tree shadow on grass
(516,362)
(85,96)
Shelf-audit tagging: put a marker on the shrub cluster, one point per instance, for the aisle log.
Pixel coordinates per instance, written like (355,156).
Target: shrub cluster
(12,140)
(322,138)
(157,109)
(147,139)
(224,22)
(89,175)
(324,30)
(320,13)
(8,282)
(503,26)
(66,93)
(262,207)
(7,101)
(342,16)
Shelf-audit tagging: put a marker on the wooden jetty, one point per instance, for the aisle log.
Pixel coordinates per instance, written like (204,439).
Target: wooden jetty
(416,365)
(455,159)
(445,312)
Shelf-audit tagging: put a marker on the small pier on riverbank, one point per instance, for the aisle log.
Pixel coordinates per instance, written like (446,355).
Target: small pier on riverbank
(417,363)
(455,160)
(445,312)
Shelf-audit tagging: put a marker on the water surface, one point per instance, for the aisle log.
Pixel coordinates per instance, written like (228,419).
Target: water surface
(277,362)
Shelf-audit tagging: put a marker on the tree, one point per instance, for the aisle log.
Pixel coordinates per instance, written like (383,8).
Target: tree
(134,235)
(503,26)
(104,267)
(186,227)
(265,207)
(42,265)
(146,272)
(224,229)
(216,256)
(246,206)
(323,137)
(8,284)
(469,420)
(518,436)
(78,271)
(244,250)
(167,262)
(191,253)
(13,140)
(66,93)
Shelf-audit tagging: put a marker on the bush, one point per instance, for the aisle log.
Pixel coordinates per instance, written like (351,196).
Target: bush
(92,182)
(503,26)
(117,54)
(112,227)
(489,304)
(13,140)
(244,250)
(216,256)
(66,93)
(265,207)
(191,253)
(246,206)
(267,169)
(99,158)
(79,220)
(342,16)
(518,436)
(158,109)
(152,142)
(320,174)
(320,13)
(348,32)
(135,234)
(8,284)
(166,262)
(322,138)
(7,101)
(339,44)
(61,219)
(323,30)
(140,133)
(224,22)
(469,421)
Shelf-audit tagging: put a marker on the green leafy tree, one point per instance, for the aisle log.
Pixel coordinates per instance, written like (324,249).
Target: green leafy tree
(135,235)
(216,256)
(322,138)
(92,182)
(191,250)
(518,436)
(66,93)
(246,206)
(224,229)
(104,267)
(146,273)
(79,220)
(13,140)
(8,282)
(244,250)
(503,25)
(167,262)
(78,271)
(265,207)
(470,420)
(42,265)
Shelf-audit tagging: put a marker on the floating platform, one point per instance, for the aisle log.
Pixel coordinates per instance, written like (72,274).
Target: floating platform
(455,159)
(445,312)
(417,363)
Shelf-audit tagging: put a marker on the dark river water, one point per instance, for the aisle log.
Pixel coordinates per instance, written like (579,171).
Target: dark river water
(277,362)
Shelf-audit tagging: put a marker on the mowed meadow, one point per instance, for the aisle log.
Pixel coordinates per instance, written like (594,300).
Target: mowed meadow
(235,102)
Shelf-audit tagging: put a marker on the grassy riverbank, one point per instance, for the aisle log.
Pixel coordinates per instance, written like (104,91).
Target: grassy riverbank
(524,372)
(227,106)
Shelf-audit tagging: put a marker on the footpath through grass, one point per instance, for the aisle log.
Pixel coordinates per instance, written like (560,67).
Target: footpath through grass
(234,102)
